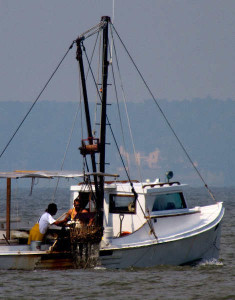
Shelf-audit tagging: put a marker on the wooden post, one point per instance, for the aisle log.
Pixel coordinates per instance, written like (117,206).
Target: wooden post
(8,209)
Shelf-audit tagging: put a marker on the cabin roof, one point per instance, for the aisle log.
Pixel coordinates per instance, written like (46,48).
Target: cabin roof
(140,187)
(49,174)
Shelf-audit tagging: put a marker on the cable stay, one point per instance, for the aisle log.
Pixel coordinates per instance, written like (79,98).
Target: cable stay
(164,116)
(108,122)
(67,147)
(118,105)
(93,30)
(125,105)
(35,101)
(149,221)
(85,35)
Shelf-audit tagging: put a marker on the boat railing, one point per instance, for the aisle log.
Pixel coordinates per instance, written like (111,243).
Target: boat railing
(161,184)
(174,212)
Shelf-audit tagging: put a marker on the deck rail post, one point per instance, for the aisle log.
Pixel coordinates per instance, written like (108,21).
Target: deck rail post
(8,209)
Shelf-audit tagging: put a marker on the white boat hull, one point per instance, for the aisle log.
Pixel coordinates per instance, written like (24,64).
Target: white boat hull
(200,240)
(23,258)
(18,258)
(203,246)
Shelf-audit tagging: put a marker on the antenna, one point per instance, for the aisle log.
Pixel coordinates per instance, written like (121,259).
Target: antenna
(111,47)
(113,11)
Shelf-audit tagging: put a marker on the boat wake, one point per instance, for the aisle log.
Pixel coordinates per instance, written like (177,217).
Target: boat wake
(100,268)
(210,262)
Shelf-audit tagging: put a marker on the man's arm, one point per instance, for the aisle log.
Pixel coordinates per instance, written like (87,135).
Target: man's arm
(65,220)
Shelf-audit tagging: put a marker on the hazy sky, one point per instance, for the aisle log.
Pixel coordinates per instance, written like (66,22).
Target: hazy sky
(185,49)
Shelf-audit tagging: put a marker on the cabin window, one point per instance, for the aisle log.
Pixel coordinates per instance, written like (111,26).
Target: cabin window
(169,201)
(122,204)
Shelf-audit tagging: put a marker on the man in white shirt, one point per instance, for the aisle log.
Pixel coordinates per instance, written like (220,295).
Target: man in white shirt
(40,228)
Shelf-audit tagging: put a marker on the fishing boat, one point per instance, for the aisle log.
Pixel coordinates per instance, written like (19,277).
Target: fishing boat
(134,223)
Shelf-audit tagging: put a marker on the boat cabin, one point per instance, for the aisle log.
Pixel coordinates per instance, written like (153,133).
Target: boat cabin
(125,214)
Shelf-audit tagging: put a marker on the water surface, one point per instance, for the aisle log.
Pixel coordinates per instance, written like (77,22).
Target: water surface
(208,280)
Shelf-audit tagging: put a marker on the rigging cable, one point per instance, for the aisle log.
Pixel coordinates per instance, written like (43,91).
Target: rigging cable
(112,41)
(125,105)
(119,115)
(132,139)
(52,75)
(149,221)
(85,163)
(132,187)
(164,116)
(94,123)
(66,150)
(84,49)
(67,146)
(96,28)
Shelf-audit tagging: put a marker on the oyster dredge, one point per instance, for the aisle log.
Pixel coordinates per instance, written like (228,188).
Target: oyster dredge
(115,223)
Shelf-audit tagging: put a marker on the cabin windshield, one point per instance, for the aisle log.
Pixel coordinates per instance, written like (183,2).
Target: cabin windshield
(169,201)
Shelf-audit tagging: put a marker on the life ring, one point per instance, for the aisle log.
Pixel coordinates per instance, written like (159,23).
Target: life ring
(123,233)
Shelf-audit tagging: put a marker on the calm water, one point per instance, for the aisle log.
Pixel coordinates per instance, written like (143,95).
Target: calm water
(209,280)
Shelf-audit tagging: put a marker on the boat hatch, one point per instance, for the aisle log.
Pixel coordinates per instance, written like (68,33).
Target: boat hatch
(169,201)
(124,204)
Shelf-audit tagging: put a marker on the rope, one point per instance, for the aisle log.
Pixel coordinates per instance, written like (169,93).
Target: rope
(113,10)
(59,218)
(84,49)
(21,123)
(125,105)
(115,141)
(112,41)
(128,120)
(164,116)
(72,129)
(66,150)
(81,103)
(149,221)
(97,92)
(119,115)
(93,30)
(85,164)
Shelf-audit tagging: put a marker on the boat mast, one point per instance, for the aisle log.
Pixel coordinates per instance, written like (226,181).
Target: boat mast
(105,64)
(86,107)
(94,145)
